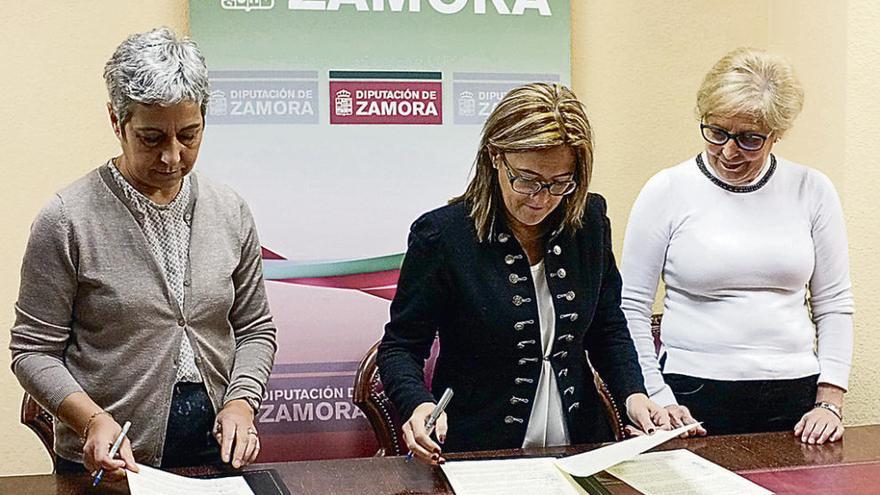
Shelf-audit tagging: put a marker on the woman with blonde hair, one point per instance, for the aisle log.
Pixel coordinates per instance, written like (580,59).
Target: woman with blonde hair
(757,314)
(518,279)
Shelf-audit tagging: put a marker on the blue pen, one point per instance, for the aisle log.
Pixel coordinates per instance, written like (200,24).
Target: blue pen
(113,450)
(432,419)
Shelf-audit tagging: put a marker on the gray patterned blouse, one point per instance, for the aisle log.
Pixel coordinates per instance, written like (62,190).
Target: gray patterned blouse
(167,232)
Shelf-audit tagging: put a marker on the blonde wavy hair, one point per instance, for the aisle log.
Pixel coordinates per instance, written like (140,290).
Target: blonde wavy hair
(533,117)
(752,83)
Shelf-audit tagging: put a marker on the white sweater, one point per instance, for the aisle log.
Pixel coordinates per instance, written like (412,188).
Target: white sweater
(737,266)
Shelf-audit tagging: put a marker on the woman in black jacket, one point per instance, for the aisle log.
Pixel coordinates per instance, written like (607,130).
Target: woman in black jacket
(518,279)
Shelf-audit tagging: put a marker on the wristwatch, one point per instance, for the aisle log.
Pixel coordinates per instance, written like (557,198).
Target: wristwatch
(831,407)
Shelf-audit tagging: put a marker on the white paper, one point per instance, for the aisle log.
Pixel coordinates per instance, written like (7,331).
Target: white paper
(590,463)
(679,472)
(509,477)
(150,481)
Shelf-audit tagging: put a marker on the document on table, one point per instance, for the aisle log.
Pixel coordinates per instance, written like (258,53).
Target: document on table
(150,481)
(509,477)
(590,463)
(677,472)
(545,475)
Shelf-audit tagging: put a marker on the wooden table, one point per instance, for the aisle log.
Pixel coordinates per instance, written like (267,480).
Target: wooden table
(860,446)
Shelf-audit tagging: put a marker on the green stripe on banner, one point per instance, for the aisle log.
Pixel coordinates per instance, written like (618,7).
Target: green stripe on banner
(382,74)
(279,270)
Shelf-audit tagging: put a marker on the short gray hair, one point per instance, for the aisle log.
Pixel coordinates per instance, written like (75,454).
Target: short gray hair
(156,68)
(752,83)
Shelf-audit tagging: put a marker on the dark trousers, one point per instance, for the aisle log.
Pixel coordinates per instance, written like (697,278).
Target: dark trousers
(188,436)
(748,406)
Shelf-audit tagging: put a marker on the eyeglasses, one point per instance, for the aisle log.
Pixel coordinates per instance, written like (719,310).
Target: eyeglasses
(748,141)
(532,186)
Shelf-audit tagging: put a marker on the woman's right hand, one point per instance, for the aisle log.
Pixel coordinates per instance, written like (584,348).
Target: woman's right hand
(102,433)
(418,439)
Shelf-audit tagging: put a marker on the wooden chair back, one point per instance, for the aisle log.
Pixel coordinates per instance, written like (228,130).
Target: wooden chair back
(369,396)
(40,422)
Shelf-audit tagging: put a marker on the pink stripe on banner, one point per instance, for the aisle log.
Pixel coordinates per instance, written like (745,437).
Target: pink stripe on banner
(380,284)
(268,254)
(382,293)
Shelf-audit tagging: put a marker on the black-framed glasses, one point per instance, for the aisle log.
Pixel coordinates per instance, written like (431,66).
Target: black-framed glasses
(532,186)
(748,141)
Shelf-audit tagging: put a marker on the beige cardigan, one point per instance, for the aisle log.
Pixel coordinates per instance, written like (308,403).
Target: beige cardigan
(95,313)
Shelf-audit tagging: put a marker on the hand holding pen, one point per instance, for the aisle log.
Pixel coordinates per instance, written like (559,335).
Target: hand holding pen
(426,418)
(98,451)
(113,450)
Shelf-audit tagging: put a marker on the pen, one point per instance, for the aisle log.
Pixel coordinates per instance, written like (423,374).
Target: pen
(432,419)
(113,450)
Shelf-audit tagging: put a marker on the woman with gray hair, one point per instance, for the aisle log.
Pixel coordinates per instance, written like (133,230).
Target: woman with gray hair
(141,294)
(752,249)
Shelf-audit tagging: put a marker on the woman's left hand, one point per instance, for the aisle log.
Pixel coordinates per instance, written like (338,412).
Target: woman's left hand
(818,426)
(235,432)
(680,416)
(646,415)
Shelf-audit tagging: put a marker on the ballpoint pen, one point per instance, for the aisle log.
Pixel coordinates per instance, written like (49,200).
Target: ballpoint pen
(113,450)
(432,419)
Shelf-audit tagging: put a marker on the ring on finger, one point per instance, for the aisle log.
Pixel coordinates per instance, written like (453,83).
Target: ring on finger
(252,431)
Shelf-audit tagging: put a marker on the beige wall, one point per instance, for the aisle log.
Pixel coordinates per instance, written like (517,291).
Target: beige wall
(636,64)
(54,129)
(858,189)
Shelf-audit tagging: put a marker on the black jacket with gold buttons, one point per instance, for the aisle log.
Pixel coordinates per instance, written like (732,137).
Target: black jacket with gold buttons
(480,299)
